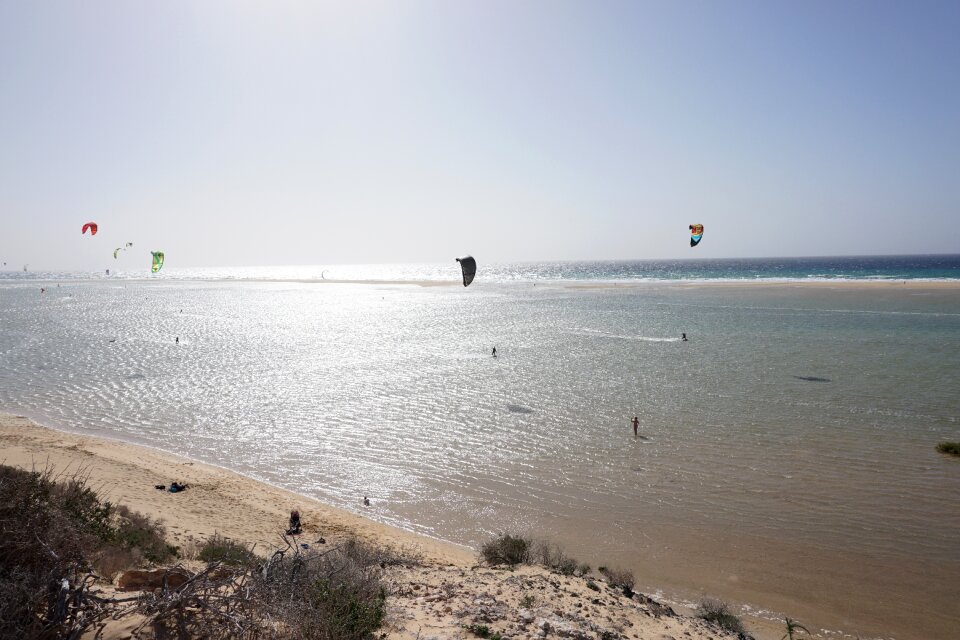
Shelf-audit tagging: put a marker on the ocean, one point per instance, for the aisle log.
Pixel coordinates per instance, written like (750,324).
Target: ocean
(785,458)
(925,267)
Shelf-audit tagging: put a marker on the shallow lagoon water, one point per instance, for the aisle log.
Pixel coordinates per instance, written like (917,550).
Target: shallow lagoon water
(822,499)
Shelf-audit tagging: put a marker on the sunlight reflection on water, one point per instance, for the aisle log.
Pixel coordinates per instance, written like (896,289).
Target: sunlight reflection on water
(340,391)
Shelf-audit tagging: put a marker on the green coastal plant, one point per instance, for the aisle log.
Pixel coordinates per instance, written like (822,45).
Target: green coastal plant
(953,448)
(793,627)
(482,631)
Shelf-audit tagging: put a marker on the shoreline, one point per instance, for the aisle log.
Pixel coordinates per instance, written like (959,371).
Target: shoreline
(231,504)
(68,451)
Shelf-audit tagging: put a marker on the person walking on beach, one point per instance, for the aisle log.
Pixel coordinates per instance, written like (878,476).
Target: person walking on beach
(636,425)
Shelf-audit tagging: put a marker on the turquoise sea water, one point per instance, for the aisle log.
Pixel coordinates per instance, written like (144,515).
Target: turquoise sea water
(786,459)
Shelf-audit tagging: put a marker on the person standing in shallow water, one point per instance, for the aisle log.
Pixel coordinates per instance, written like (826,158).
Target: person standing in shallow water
(636,424)
(494,352)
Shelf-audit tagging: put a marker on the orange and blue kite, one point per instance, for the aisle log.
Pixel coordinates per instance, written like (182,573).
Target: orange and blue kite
(696,233)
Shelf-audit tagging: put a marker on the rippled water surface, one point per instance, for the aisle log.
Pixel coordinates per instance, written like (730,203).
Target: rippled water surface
(922,267)
(786,456)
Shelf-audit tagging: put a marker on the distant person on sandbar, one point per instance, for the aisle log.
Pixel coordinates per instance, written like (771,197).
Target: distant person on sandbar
(494,352)
(636,424)
(683,337)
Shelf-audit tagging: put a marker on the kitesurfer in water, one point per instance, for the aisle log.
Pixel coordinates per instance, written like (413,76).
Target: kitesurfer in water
(177,341)
(636,424)
(494,352)
(683,337)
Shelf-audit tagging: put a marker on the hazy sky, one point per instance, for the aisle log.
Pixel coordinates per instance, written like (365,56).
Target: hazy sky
(235,133)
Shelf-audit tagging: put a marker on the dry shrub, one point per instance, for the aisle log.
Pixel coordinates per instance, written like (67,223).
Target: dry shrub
(369,554)
(212,604)
(131,539)
(190,549)
(331,595)
(337,594)
(220,549)
(718,612)
(133,530)
(51,527)
(513,550)
(552,556)
(507,549)
(45,530)
(621,579)
(111,560)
